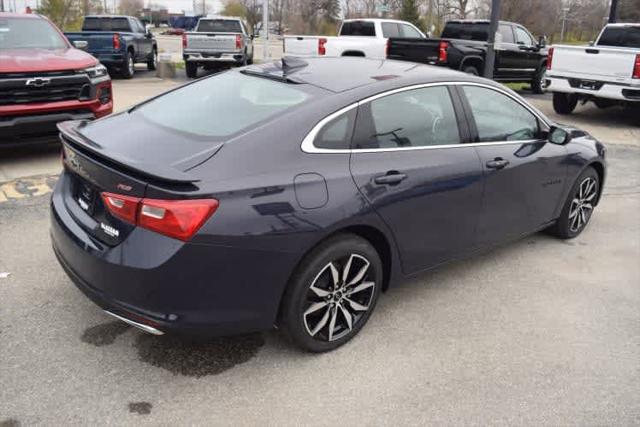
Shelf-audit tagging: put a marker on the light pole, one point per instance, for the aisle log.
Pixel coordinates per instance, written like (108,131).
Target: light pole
(265,27)
(613,12)
(565,11)
(491,49)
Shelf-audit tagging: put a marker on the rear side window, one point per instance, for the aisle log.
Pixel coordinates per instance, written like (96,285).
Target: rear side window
(336,135)
(106,24)
(499,117)
(627,36)
(358,28)
(505,33)
(219,26)
(390,29)
(466,31)
(222,105)
(414,118)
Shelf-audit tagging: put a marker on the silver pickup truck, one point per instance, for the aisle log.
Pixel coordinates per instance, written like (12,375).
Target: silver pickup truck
(215,42)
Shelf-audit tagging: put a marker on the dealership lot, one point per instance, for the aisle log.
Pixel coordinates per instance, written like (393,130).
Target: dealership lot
(537,331)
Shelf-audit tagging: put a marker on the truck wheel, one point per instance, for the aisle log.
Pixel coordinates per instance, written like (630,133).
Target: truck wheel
(153,60)
(539,84)
(128,67)
(470,69)
(192,69)
(564,103)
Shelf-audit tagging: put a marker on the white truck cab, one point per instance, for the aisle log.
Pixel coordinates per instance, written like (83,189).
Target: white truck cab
(357,37)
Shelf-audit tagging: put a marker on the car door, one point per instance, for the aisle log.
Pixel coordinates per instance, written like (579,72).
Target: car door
(142,41)
(524,174)
(410,163)
(528,58)
(508,52)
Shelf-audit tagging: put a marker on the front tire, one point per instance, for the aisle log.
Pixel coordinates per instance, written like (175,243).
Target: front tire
(192,69)
(579,206)
(332,293)
(153,60)
(564,103)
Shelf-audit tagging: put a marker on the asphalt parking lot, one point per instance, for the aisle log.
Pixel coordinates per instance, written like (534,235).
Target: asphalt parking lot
(539,331)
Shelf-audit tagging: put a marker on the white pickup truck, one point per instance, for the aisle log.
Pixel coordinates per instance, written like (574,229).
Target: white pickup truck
(606,72)
(217,41)
(357,37)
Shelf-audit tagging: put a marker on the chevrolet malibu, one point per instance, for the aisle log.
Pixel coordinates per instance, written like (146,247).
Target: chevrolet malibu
(294,193)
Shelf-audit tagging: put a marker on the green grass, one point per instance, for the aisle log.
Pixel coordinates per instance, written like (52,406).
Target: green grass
(518,86)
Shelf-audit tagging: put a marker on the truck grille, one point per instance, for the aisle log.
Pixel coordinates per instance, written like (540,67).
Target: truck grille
(37,89)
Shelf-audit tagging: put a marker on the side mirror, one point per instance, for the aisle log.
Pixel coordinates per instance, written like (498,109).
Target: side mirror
(559,136)
(81,44)
(542,42)
(592,43)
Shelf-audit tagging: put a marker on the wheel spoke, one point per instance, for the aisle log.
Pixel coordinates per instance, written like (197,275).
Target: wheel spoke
(356,305)
(347,267)
(321,324)
(347,316)
(361,287)
(319,292)
(360,274)
(332,324)
(334,274)
(583,217)
(315,307)
(575,221)
(587,206)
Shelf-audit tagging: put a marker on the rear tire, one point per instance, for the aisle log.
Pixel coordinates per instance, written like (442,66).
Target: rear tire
(192,69)
(538,84)
(564,103)
(579,206)
(128,66)
(332,293)
(470,69)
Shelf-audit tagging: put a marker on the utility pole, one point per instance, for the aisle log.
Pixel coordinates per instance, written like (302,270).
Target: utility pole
(613,12)
(265,27)
(1,5)
(490,58)
(565,11)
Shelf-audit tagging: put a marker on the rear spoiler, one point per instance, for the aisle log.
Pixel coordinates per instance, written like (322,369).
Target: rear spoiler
(69,132)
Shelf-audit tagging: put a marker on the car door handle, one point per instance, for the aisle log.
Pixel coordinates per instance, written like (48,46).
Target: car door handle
(497,163)
(391,178)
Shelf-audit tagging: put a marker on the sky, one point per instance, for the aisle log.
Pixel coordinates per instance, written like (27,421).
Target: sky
(173,5)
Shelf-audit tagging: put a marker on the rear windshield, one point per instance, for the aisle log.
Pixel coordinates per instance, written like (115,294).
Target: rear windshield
(466,31)
(627,36)
(106,24)
(219,26)
(29,33)
(358,28)
(222,105)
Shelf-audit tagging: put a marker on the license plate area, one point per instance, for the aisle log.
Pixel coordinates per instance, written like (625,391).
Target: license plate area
(85,195)
(588,84)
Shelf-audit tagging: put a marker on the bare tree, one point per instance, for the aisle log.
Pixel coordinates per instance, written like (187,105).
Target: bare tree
(130,7)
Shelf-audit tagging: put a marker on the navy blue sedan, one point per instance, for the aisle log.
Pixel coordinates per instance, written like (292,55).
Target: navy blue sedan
(294,193)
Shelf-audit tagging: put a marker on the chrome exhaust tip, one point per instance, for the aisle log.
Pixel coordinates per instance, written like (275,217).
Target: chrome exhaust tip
(146,328)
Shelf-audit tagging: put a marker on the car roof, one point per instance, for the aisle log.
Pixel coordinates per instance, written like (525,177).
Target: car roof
(109,16)
(479,21)
(20,15)
(340,74)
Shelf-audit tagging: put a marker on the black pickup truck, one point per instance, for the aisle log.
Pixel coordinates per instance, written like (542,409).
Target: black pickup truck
(463,46)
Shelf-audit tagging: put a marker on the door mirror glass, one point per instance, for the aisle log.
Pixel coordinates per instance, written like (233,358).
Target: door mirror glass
(81,44)
(559,136)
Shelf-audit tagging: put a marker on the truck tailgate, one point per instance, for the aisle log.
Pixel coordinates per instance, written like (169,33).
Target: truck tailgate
(593,62)
(301,45)
(98,41)
(415,50)
(211,42)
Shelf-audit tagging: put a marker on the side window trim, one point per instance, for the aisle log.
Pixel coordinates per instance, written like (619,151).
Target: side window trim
(308,147)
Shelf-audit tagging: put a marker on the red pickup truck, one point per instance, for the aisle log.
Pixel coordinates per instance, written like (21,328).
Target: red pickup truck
(45,80)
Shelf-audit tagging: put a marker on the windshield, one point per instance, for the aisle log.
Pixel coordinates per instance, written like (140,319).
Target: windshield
(627,36)
(29,33)
(358,28)
(106,24)
(466,31)
(219,26)
(222,105)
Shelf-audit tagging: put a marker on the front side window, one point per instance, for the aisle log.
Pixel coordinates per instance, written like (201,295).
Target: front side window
(409,32)
(29,33)
(499,117)
(222,105)
(390,29)
(414,118)
(522,37)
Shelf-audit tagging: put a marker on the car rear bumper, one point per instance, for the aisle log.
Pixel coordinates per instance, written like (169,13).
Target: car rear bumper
(110,59)
(169,285)
(600,90)
(233,57)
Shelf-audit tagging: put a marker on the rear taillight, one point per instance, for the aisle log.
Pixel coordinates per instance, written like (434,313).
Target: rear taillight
(123,207)
(179,219)
(175,218)
(443,55)
(184,41)
(549,58)
(238,41)
(116,41)
(322,50)
(636,68)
